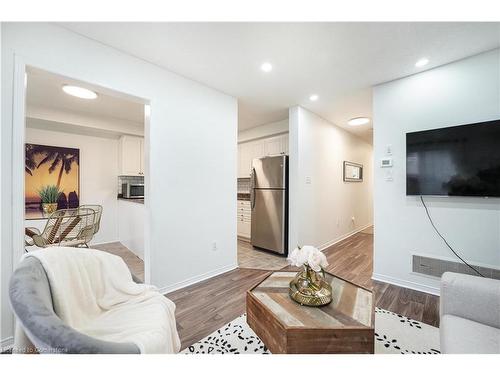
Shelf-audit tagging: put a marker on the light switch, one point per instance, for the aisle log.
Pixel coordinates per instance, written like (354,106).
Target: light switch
(388,149)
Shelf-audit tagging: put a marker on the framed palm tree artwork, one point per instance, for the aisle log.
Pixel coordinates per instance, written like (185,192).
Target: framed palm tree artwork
(57,168)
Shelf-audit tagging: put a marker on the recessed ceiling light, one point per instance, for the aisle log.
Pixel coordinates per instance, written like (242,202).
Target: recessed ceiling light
(79,92)
(313,98)
(358,121)
(422,62)
(266,67)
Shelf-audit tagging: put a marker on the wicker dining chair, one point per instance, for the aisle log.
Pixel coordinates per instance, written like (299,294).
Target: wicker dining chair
(69,227)
(98,213)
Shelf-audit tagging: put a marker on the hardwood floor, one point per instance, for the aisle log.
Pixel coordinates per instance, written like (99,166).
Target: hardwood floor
(248,257)
(203,307)
(411,303)
(134,263)
(352,259)
(208,305)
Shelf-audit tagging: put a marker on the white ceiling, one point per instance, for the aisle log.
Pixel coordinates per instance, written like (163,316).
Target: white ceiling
(44,90)
(338,61)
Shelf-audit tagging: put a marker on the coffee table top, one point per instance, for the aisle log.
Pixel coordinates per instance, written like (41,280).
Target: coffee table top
(351,307)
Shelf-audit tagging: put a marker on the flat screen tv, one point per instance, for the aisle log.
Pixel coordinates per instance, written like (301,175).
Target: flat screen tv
(459,160)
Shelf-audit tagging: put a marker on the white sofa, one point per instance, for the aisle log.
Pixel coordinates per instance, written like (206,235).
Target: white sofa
(470,314)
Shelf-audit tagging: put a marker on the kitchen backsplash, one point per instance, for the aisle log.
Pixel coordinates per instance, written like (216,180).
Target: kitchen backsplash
(243,185)
(131,179)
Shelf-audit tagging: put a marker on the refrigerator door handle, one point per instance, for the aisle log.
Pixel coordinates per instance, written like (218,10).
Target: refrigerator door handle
(252,189)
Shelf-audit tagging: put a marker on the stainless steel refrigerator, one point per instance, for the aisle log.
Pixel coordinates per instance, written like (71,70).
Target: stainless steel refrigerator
(269,203)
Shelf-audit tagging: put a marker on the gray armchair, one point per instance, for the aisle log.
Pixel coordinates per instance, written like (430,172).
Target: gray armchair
(470,314)
(31,301)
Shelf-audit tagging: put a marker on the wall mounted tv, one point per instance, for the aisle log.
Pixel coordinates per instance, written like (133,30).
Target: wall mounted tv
(459,160)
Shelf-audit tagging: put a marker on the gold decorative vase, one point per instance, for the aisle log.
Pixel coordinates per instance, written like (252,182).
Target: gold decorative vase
(49,208)
(310,288)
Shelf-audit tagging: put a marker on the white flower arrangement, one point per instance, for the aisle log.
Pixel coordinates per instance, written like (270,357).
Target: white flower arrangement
(308,256)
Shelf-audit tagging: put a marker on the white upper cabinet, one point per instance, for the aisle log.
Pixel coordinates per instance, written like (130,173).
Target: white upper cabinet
(258,150)
(248,151)
(244,159)
(284,145)
(276,145)
(131,156)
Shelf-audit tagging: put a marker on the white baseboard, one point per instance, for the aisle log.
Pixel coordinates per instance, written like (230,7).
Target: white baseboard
(103,243)
(242,238)
(6,343)
(406,284)
(343,237)
(196,279)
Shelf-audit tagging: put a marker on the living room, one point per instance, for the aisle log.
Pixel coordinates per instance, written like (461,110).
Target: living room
(391,215)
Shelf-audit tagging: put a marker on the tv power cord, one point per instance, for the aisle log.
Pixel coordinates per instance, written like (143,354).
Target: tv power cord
(446,242)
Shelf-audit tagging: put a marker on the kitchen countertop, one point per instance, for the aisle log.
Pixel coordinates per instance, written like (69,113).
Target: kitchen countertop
(243,196)
(134,200)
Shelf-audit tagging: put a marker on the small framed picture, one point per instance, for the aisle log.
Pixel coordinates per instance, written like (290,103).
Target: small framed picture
(353,172)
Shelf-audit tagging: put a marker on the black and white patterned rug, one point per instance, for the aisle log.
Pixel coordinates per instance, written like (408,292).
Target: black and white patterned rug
(394,334)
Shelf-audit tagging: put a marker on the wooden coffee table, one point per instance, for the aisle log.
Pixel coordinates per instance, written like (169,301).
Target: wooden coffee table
(346,325)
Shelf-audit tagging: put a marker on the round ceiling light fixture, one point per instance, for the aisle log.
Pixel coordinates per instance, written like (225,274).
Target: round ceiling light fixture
(266,67)
(357,121)
(79,92)
(313,97)
(422,62)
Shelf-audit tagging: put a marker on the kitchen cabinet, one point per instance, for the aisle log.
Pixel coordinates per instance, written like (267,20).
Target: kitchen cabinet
(248,151)
(244,159)
(244,217)
(276,145)
(131,156)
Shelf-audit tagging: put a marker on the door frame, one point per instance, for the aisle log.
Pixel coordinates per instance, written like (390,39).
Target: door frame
(18,145)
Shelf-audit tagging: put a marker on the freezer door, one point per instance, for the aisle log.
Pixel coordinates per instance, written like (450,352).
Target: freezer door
(269,172)
(268,220)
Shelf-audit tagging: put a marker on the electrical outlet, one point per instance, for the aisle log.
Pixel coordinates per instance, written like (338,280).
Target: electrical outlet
(353,219)
(308,180)
(214,246)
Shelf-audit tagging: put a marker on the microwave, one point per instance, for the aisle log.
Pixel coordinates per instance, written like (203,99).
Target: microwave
(130,190)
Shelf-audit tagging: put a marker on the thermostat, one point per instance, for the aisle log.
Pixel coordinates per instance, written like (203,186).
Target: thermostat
(386,163)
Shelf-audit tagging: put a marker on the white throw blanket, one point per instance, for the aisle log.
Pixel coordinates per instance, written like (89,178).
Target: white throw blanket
(93,292)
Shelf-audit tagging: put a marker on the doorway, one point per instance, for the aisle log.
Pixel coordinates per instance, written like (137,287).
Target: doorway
(82,146)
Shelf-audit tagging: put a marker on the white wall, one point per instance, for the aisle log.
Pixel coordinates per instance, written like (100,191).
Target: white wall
(459,93)
(98,173)
(322,209)
(3,311)
(131,226)
(85,121)
(262,131)
(192,140)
